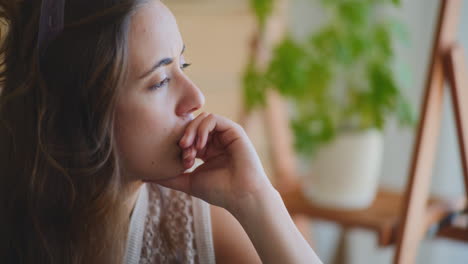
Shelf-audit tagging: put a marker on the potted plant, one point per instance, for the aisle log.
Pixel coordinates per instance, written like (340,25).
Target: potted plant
(342,91)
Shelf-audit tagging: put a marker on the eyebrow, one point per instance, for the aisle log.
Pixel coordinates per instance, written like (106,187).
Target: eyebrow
(163,62)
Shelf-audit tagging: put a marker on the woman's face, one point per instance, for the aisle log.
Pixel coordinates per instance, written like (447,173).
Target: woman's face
(158,99)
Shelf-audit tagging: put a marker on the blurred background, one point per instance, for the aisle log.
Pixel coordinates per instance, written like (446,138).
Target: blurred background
(370,60)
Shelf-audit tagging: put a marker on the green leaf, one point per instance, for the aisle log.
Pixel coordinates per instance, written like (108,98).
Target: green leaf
(318,80)
(303,140)
(262,9)
(359,44)
(326,42)
(353,46)
(382,86)
(288,69)
(383,41)
(311,131)
(255,86)
(343,47)
(354,13)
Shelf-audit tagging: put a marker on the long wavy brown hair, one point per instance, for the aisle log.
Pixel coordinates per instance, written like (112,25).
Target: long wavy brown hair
(60,186)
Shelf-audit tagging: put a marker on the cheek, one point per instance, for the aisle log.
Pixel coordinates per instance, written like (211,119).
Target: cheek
(144,144)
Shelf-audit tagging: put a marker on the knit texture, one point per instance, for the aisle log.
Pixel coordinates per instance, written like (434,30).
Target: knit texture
(186,220)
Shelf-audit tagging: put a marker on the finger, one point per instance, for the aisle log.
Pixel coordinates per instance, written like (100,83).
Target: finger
(186,156)
(188,163)
(202,152)
(190,157)
(190,132)
(189,135)
(207,125)
(228,130)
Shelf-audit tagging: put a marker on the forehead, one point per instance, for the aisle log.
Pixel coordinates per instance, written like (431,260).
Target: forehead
(153,35)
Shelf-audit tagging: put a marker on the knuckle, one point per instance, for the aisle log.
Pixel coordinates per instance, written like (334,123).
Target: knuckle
(210,116)
(241,130)
(209,119)
(196,122)
(238,127)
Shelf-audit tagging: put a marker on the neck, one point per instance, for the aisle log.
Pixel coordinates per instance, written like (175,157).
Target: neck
(132,190)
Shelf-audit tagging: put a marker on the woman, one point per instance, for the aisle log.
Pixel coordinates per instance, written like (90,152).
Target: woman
(96,116)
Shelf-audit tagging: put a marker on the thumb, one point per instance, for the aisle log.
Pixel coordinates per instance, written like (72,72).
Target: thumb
(182,182)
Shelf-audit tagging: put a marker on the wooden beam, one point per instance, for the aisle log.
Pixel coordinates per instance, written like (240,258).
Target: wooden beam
(417,192)
(454,233)
(456,72)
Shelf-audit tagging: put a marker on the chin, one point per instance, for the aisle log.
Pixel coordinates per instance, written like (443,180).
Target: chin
(165,168)
(175,168)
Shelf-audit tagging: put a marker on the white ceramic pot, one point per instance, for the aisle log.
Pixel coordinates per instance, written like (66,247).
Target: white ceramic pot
(345,172)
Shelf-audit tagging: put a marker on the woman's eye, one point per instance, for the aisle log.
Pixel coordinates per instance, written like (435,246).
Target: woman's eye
(166,80)
(185,65)
(160,84)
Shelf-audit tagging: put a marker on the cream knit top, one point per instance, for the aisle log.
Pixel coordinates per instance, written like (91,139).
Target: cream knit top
(186,219)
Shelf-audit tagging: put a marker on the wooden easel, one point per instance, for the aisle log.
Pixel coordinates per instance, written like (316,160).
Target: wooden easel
(399,219)
(447,63)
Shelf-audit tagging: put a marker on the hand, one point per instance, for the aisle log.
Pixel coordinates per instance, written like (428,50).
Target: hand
(232,177)
(231,170)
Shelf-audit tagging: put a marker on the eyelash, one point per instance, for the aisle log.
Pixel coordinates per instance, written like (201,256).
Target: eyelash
(185,65)
(166,80)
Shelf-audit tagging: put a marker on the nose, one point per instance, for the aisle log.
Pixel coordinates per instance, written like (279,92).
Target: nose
(191,98)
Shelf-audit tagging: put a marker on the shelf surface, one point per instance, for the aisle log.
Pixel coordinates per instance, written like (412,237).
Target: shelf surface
(382,217)
(457,230)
